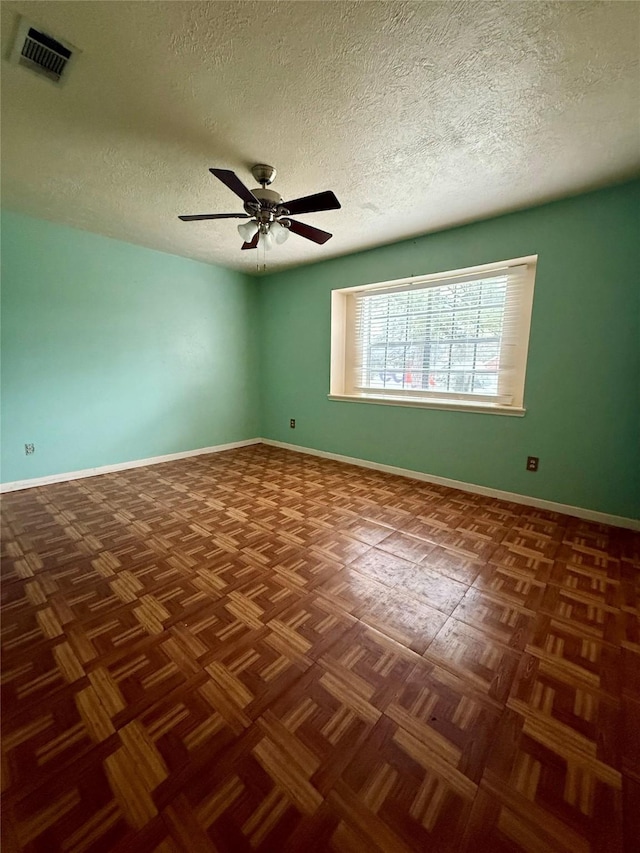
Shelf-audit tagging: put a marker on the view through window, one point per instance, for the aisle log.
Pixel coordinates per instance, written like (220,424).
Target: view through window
(459,336)
(444,338)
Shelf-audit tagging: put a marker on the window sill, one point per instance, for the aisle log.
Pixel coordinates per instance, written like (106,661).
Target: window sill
(447,405)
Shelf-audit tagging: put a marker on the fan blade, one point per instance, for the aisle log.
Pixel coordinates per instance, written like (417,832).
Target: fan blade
(254,241)
(234,183)
(309,232)
(198,216)
(313,203)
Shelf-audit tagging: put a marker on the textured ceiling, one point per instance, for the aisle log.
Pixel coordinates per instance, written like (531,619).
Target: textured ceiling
(418,115)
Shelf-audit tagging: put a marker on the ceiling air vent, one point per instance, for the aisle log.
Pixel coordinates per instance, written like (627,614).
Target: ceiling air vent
(41,52)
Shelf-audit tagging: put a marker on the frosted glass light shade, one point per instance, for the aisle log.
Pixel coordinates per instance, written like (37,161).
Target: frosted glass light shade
(267,240)
(279,232)
(248,230)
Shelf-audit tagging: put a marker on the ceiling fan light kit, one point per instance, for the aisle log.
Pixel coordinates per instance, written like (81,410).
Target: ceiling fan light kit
(248,229)
(267,213)
(280,230)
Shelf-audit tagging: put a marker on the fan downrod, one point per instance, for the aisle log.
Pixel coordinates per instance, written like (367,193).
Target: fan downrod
(263,174)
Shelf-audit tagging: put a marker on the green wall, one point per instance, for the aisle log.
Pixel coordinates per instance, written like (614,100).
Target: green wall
(583,378)
(111,352)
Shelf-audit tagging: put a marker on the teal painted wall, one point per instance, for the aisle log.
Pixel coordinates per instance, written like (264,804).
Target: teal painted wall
(112,352)
(583,379)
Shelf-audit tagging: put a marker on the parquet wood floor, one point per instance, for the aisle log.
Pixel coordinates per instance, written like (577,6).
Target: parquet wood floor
(261,650)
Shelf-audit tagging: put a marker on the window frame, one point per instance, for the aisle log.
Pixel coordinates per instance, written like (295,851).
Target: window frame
(343,342)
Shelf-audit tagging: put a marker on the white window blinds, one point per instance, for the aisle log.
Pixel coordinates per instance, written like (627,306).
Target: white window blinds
(450,337)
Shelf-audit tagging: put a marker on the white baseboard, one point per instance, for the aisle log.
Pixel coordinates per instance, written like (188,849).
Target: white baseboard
(539,503)
(121,466)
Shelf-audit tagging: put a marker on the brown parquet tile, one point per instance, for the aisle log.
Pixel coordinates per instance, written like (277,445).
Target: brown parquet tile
(261,650)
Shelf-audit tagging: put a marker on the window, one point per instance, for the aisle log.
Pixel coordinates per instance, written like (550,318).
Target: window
(450,340)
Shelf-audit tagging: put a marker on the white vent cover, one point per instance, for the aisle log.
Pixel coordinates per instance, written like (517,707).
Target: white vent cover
(41,52)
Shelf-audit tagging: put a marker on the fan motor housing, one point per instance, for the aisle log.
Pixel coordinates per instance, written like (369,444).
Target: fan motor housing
(268,198)
(269,201)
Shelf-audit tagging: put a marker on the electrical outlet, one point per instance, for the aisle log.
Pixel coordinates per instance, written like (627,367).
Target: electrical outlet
(532,463)
(292,423)
(29,449)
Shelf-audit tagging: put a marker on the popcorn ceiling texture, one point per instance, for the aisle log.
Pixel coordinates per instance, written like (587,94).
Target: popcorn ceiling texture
(418,115)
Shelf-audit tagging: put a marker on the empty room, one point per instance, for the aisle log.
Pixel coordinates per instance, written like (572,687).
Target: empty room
(320,449)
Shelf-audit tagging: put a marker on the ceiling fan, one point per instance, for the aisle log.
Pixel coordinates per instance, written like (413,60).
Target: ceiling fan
(267,212)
